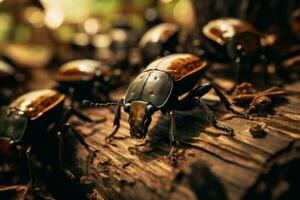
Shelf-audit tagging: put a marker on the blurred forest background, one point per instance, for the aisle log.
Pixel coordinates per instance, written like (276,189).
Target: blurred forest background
(50,27)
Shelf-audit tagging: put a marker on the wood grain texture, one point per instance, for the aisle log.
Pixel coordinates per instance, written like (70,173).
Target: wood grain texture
(209,165)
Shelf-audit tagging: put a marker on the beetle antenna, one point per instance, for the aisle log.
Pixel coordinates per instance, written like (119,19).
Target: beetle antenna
(93,104)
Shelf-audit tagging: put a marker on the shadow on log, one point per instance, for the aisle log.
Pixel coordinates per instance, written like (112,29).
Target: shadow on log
(209,165)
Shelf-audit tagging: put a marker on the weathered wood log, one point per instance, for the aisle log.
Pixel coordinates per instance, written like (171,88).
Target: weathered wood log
(209,164)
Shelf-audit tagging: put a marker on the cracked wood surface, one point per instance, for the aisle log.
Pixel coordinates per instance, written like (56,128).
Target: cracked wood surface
(134,169)
(244,167)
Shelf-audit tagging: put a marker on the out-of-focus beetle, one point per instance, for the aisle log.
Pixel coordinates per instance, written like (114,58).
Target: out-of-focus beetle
(9,79)
(86,78)
(233,40)
(159,87)
(123,40)
(33,122)
(158,41)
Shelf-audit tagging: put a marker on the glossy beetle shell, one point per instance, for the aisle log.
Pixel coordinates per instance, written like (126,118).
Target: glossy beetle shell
(222,30)
(6,70)
(38,102)
(151,86)
(178,66)
(158,41)
(157,82)
(159,34)
(81,70)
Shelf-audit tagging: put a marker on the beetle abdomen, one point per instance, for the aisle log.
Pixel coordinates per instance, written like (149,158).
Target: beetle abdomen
(178,66)
(222,30)
(36,103)
(159,34)
(80,70)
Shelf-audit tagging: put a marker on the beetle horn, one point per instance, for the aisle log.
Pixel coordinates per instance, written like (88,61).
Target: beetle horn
(93,104)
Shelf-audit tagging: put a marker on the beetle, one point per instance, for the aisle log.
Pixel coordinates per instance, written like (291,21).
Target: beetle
(23,120)
(158,41)
(159,87)
(123,40)
(78,75)
(237,41)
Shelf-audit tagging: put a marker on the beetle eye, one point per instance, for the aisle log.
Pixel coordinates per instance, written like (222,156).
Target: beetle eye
(150,109)
(127,107)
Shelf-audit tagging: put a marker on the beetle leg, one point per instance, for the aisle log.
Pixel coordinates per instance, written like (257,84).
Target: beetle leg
(61,152)
(81,140)
(205,88)
(116,124)
(212,119)
(172,133)
(78,136)
(28,153)
(71,92)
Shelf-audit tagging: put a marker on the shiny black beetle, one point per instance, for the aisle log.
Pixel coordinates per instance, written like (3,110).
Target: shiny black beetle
(159,87)
(76,76)
(158,41)
(24,124)
(233,40)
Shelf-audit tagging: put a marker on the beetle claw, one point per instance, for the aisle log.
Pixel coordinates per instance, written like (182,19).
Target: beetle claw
(173,149)
(170,156)
(230,132)
(109,139)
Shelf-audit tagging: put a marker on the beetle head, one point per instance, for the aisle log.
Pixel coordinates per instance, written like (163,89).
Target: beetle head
(245,46)
(140,113)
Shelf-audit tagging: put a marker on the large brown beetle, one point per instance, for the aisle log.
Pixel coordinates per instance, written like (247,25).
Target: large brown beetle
(234,40)
(24,124)
(78,75)
(158,41)
(159,87)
